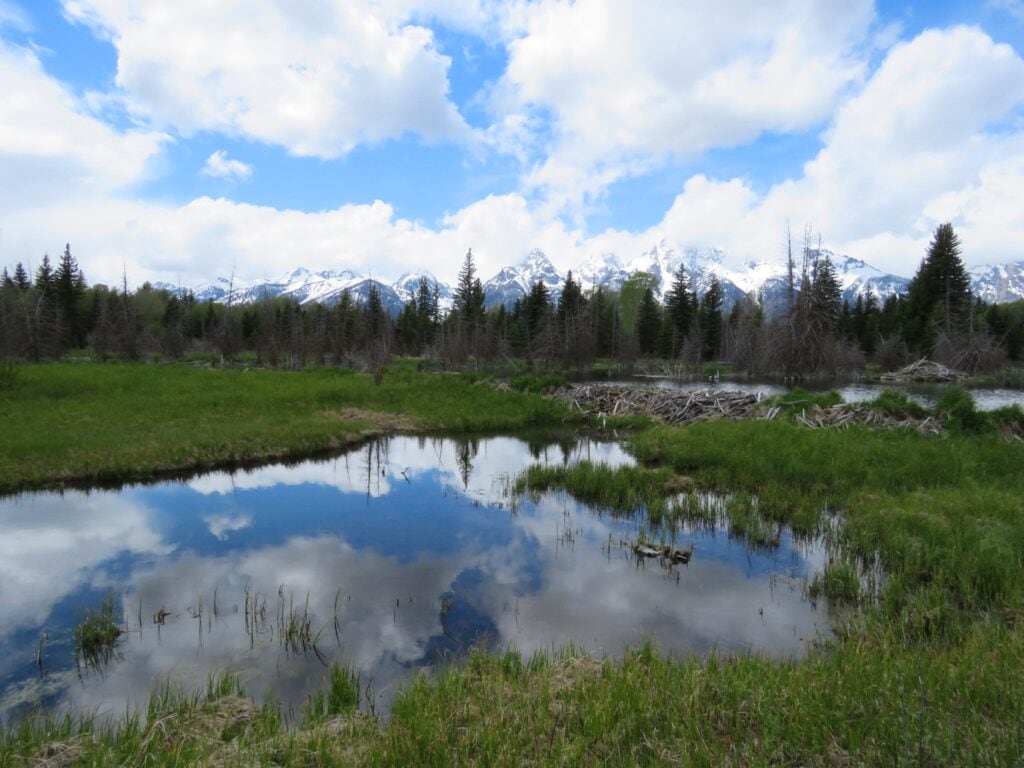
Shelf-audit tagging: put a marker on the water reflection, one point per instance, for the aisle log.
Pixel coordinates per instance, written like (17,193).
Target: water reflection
(401,554)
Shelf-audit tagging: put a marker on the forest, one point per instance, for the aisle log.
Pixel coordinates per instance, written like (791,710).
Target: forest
(56,313)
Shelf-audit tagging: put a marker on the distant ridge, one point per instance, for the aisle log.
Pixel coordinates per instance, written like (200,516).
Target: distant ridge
(764,280)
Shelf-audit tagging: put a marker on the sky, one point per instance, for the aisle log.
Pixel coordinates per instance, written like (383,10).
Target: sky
(184,141)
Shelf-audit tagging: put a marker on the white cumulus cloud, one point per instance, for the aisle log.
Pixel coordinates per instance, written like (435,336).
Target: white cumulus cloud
(220,166)
(315,77)
(629,85)
(52,148)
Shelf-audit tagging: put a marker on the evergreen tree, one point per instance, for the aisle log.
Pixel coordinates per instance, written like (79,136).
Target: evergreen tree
(6,280)
(69,286)
(427,312)
(536,308)
(570,304)
(21,278)
(711,320)
(375,317)
(939,299)
(679,311)
(469,295)
(44,277)
(826,296)
(468,306)
(648,323)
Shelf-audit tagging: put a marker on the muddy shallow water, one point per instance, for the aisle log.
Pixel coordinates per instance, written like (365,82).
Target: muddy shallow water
(398,556)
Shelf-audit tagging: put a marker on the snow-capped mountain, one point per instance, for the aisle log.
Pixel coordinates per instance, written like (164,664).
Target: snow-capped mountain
(999,283)
(408,285)
(604,270)
(764,281)
(514,282)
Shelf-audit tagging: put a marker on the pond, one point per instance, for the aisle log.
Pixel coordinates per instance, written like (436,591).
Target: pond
(395,557)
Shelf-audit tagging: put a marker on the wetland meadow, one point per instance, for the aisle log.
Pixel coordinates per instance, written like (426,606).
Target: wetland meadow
(231,566)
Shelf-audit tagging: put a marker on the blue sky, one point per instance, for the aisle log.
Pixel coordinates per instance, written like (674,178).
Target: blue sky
(392,135)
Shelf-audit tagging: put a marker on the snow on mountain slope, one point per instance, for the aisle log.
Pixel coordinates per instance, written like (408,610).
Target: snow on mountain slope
(999,283)
(514,282)
(765,280)
(408,285)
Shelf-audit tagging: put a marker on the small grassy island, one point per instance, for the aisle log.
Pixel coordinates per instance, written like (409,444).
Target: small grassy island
(925,667)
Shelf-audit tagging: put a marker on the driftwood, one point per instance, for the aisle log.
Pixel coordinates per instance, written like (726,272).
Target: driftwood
(672,406)
(924,370)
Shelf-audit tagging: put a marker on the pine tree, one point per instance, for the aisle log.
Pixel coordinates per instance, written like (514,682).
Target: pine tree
(648,322)
(711,320)
(376,318)
(469,306)
(826,295)
(679,311)
(21,278)
(536,309)
(44,277)
(570,304)
(939,299)
(469,296)
(70,288)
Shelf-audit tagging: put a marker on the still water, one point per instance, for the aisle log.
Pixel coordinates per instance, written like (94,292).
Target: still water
(395,557)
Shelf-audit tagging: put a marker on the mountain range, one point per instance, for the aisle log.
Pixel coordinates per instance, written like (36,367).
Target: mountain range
(765,280)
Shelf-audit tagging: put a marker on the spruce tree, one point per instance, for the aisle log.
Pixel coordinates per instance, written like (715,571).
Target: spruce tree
(711,320)
(44,277)
(939,299)
(648,322)
(536,308)
(826,295)
(679,311)
(469,295)
(21,278)
(70,288)
(570,303)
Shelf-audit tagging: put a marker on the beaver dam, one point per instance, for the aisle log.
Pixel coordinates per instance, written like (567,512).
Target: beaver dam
(680,407)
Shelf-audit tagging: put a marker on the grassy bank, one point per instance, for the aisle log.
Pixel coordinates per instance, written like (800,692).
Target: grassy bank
(68,423)
(869,701)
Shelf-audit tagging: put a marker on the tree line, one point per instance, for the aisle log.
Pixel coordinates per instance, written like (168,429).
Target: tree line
(55,312)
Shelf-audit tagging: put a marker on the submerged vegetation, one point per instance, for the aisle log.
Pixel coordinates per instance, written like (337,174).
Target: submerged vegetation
(96,636)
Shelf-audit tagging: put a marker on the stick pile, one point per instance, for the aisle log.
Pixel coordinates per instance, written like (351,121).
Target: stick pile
(673,406)
(924,370)
(845,414)
(669,405)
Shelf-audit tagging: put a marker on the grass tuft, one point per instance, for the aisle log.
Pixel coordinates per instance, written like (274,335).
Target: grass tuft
(96,636)
(896,402)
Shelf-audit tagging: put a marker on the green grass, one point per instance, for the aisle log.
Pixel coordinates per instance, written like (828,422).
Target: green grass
(946,516)
(96,636)
(621,491)
(896,402)
(93,423)
(537,385)
(869,701)
(797,400)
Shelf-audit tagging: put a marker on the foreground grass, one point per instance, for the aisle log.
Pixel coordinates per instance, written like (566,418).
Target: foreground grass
(871,701)
(91,423)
